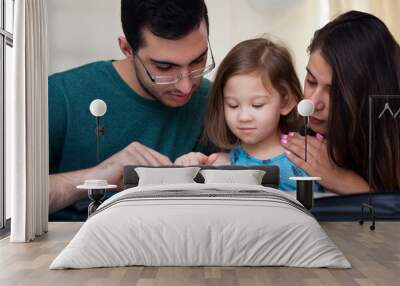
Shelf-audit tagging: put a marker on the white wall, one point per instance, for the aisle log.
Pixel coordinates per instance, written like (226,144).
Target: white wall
(82,31)
(291,22)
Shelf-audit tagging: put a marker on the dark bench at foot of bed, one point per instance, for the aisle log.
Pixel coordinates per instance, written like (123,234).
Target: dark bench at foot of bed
(348,207)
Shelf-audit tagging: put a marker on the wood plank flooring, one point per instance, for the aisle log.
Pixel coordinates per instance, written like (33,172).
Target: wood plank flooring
(374,255)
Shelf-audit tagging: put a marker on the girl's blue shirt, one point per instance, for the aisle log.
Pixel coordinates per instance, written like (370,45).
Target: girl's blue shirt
(287,168)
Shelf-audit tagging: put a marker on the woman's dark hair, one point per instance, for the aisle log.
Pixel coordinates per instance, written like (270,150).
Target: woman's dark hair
(169,19)
(365,61)
(274,63)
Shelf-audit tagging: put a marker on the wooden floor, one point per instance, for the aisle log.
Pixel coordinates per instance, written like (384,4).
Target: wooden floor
(374,255)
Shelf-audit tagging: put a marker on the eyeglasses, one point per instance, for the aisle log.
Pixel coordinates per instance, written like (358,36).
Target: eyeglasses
(173,79)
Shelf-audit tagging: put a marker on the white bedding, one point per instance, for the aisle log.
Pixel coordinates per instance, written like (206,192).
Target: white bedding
(220,226)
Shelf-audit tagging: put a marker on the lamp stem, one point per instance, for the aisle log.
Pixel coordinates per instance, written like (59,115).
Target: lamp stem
(305,137)
(98,139)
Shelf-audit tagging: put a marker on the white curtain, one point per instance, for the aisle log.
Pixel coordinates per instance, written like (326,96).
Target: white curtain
(26,123)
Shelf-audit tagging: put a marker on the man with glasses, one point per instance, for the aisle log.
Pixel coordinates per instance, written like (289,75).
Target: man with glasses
(156,98)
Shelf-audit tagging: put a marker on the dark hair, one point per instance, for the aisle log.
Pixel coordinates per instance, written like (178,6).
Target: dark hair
(365,60)
(169,19)
(272,62)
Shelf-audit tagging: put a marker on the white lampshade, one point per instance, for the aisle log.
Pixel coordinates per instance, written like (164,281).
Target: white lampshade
(305,107)
(98,107)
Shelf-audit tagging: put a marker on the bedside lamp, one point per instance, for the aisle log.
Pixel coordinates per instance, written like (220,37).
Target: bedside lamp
(98,108)
(304,185)
(305,108)
(97,188)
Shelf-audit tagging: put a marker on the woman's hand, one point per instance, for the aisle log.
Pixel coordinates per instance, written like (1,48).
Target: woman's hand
(319,164)
(196,158)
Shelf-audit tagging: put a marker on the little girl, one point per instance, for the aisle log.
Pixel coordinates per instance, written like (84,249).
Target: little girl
(252,102)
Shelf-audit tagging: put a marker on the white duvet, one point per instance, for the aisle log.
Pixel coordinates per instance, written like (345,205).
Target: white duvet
(222,224)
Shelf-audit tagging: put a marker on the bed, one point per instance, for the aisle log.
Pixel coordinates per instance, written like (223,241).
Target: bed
(195,223)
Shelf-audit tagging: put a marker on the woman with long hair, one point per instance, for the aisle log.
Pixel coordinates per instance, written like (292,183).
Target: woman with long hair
(351,58)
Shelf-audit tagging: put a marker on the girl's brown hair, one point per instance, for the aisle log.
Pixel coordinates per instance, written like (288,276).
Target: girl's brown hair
(273,62)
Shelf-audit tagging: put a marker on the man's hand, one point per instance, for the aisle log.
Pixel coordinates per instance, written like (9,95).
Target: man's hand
(196,158)
(134,154)
(63,190)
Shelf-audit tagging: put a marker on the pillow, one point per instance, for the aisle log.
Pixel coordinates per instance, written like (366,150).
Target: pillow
(248,177)
(270,179)
(162,176)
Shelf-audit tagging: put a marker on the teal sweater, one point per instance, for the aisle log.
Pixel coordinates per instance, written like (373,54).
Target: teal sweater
(129,117)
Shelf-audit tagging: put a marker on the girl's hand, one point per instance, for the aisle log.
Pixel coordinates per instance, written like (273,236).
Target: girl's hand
(196,158)
(222,159)
(319,164)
